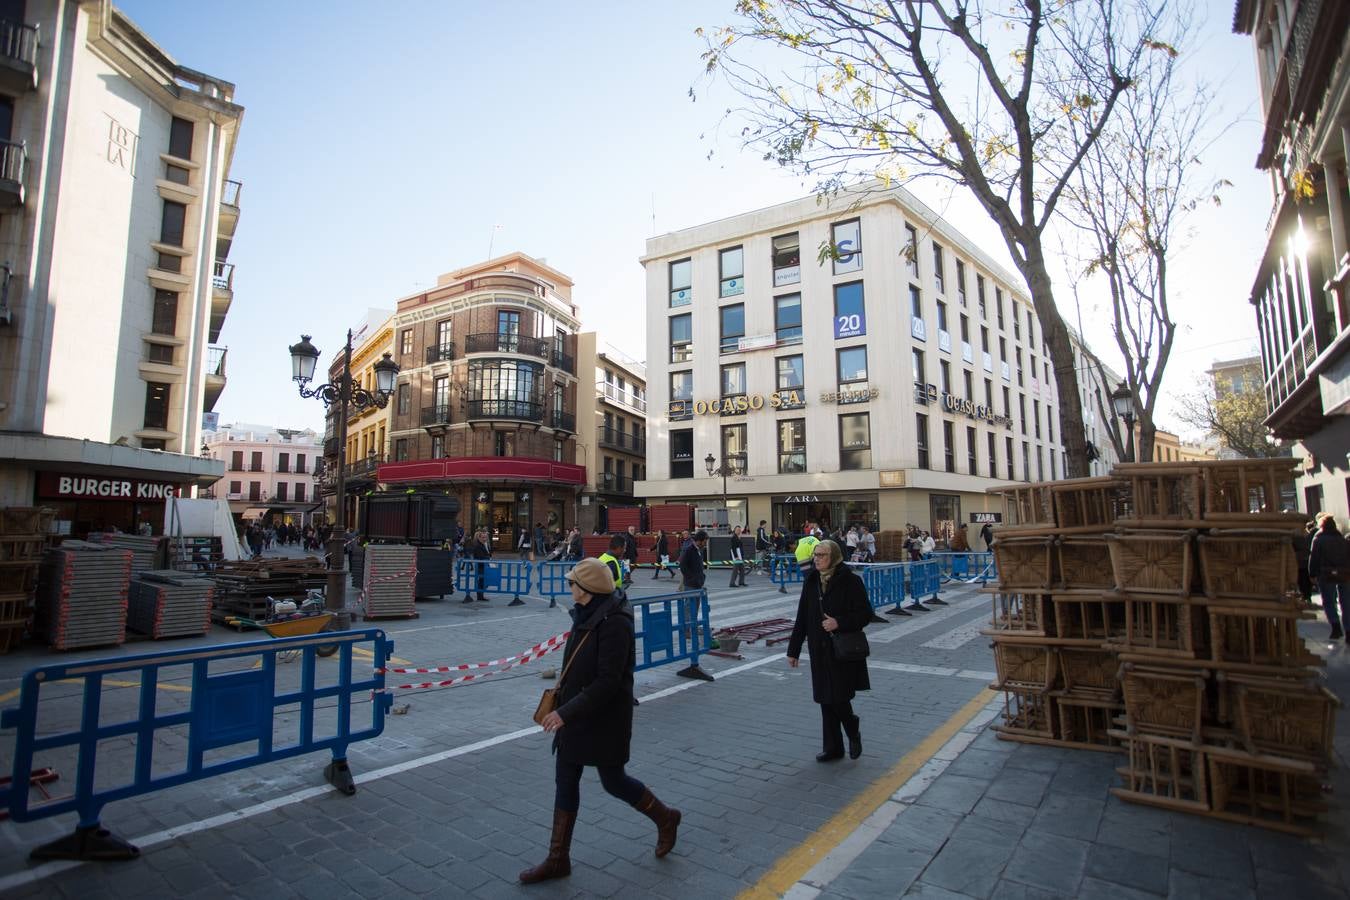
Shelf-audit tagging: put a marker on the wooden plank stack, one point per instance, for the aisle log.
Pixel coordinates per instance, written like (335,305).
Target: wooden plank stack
(23,537)
(165,603)
(82,595)
(243,586)
(1184,651)
(389,581)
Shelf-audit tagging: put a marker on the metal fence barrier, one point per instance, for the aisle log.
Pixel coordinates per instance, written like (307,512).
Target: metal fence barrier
(784,570)
(885,584)
(223,707)
(552,581)
(491,576)
(969,567)
(673,627)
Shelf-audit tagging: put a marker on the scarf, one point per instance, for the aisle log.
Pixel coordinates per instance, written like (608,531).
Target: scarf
(836,557)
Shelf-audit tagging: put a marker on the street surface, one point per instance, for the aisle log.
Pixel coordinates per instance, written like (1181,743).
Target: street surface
(455,798)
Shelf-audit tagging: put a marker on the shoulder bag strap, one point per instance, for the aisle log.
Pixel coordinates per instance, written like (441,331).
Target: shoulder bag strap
(571,659)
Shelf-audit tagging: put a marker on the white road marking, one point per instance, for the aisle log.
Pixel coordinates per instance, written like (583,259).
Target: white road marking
(940,671)
(958,606)
(958,636)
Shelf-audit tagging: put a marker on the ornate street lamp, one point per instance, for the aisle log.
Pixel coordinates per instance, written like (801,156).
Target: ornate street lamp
(1122,404)
(730,466)
(347,394)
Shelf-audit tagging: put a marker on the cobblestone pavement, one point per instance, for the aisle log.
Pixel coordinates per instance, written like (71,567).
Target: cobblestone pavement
(455,798)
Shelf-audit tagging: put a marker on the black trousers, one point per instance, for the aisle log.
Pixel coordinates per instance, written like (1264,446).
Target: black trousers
(567,794)
(835,718)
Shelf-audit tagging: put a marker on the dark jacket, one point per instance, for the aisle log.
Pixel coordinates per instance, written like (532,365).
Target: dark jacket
(1329,550)
(662,547)
(691,566)
(762,541)
(596,698)
(630,550)
(832,681)
(479,551)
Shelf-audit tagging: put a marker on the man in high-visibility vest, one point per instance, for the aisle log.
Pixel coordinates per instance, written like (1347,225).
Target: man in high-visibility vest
(805,544)
(611,559)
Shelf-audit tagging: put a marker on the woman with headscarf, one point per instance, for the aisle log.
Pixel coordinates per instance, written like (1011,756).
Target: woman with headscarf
(834,599)
(593,723)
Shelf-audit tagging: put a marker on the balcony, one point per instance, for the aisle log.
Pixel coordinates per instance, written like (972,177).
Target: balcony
(517,410)
(330,447)
(229,215)
(437,417)
(18,57)
(563,421)
(608,483)
(494,342)
(363,469)
(440,353)
(13,167)
(564,361)
(222,295)
(617,439)
(215,376)
(621,397)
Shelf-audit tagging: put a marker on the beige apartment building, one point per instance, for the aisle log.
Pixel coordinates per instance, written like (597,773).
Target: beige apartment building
(891,384)
(270,473)
(117,212)
(612,440)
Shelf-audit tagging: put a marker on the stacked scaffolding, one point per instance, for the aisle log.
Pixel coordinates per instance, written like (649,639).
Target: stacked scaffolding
(23,537)
(82,595)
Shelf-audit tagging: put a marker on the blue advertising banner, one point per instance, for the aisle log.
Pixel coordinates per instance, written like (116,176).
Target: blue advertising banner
(850,314)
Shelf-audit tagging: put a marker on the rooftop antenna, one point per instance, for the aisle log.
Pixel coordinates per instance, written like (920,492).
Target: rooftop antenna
(492,236)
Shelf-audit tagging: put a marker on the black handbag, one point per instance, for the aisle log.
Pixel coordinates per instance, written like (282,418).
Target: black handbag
(848,646)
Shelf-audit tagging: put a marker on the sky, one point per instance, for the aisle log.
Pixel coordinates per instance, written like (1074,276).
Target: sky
(384,145)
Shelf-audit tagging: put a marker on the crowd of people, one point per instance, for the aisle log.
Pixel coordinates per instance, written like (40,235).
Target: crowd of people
(258,537)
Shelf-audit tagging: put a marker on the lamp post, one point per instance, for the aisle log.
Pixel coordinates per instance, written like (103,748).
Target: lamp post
(1122,404)
(346,393)
(728,467)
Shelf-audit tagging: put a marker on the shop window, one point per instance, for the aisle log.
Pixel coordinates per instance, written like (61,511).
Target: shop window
(791,446)
(733,380)
(855,441)
(731,322)
(946,515)
(921,439)
(156,405)
(787,260)
(681,338)
(787,319)
(847,239)
(948,450)
(731,271)
(852,365)
(681,282)
(682,453)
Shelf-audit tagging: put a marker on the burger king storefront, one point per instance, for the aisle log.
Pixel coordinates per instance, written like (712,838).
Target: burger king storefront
(86,503)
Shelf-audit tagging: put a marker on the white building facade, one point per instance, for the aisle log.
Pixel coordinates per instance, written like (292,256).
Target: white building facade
(270,473)
(118,214)
(892,382)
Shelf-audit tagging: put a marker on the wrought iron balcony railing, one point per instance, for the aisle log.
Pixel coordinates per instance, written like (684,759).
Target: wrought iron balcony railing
(563,421)
(440,353)
(521,410)
(436,415)
(495,342)
(613,484)
(619,439)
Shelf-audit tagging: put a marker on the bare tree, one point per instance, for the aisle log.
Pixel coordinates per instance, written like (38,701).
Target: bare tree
(1002,98)
(1129,200)
(1235,417)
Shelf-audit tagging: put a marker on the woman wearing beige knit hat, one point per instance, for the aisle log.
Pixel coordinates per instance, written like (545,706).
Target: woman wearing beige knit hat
(593,724)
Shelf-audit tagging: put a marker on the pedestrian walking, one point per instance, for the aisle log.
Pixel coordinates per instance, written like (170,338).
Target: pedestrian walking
(1302,551)
(737,559)
(593,724)
(693,560)
(867,541)
(961,541)
(833,599)
(478,550)
(1329,563)
(611,558)
(987,535)
(539,541)
(661,548)
(524,543)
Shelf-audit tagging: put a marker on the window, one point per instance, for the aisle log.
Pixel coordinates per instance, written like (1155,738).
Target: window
(1036,416)
(156,405)
(503,443)
(787,260)
(1019,366)
(1017,324)
(1003,350)
(504,387)
(400,449)
(1008,445)
(942,317)
(989,394)
(917,329)
(945,376)
(681,282)
(159,353)
(993,455)
(283,462)
(681,338)
(1007,403)
(970,388)
(984,339)
(299,492)
(961,282)
(437,446)
(154,444)
(732,327)
(299,463)
(404,398)
(681,385)
(911,251)
(282,491)
(176,174)
(237,462)
(236,487)
(731,267)
(972,459)
(979,295)
(443,336)
(255,462)
(791,375)
(948,451)
(791,446)
(921,437)
(1022,411)
(1026,462)
(847,238)
(733,380)
(1031,332)
(1053,476)
(965,329)
(916,359)
(1049,424)
(508,331)
(939,274)
(855,441)
(180,138)
(682,453)
(998,302)
(1040,464)
(440,392)
(733,446)
(850,314)
(171,223)
(852,364)
(255,490)
(787,318)
(405,340)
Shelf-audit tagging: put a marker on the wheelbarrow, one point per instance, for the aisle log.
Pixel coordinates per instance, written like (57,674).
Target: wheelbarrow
(298,623)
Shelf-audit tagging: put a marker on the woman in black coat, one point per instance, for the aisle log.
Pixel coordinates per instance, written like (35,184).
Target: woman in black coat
(833,598)
(593,723)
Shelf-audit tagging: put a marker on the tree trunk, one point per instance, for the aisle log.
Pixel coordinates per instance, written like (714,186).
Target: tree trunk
(1059,347)
(1147,436)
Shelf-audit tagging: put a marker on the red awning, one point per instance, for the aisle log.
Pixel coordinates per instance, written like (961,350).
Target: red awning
(482,468)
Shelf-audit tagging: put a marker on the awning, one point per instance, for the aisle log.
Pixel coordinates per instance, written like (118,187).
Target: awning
(255,512)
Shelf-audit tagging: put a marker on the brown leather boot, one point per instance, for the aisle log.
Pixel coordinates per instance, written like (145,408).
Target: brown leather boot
(667,821)
(558,863)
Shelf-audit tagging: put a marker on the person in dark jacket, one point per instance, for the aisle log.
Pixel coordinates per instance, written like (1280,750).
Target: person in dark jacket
(478,550)
(630,549)
(833,599)
(987,535)
(593,724)
(1329,563)
(692,557)
(662,550)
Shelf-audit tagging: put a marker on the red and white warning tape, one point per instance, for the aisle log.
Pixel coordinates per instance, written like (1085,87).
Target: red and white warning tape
(536,652)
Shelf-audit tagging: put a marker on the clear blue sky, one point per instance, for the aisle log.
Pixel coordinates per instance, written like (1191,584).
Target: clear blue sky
(382,143)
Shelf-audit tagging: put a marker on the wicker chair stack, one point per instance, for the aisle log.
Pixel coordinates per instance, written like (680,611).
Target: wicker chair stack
(23,537)
(389,581)
(1171,634)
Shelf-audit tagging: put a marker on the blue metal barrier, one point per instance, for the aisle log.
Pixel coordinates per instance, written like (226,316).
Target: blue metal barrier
(673,627)
(925,579)
(553,581)
(885,584)
(491,576)
(784,570)
(226,707)
(969,567)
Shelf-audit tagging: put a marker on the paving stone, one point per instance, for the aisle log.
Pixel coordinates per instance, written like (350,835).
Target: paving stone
(977,763)
(1003,811)
(1286,886)
(1049,862)
(1092,889)
(1136,838)
(1026,788)
(921,828)
(1014,890)
(1069,815)
(972,859)
(926,891)
(954,793)
(1120,865)
(1183,885)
